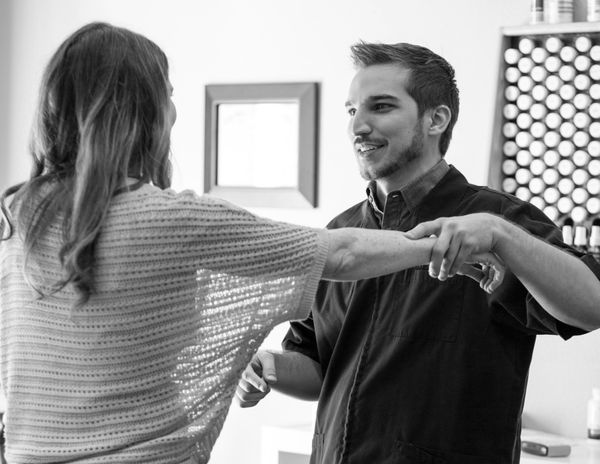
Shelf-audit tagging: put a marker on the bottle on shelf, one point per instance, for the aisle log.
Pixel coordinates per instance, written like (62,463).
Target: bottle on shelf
(593,10)
(567,231)
(559,11)
(580,238)
(594,245)
(593,415)
(537,12)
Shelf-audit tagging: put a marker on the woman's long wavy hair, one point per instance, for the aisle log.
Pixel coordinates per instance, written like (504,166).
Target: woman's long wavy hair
(103,116)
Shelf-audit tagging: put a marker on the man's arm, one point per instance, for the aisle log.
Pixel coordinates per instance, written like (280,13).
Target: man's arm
(288,372)
(561,283)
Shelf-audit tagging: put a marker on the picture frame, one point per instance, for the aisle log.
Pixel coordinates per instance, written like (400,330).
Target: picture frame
(261,144)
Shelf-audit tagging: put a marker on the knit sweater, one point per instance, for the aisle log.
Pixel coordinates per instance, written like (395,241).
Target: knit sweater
(186,289)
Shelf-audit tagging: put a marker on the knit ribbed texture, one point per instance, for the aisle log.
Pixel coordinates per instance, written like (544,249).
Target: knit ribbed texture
(187,288)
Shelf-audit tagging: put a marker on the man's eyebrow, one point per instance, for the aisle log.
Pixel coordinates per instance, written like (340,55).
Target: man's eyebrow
(374,98)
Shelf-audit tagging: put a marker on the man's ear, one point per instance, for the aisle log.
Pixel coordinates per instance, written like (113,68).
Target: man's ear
(439,118)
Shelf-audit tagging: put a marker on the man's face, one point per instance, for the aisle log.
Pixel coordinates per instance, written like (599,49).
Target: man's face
(384,126)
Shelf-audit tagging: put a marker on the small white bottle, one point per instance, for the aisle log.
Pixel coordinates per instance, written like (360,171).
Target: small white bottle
(593,414)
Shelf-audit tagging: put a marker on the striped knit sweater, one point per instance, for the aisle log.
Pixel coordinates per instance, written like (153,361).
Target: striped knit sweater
(187,288)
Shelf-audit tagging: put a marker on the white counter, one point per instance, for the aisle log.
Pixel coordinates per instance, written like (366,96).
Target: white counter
(292,445)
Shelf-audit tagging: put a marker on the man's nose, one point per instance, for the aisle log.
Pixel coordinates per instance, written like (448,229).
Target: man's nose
(360,124)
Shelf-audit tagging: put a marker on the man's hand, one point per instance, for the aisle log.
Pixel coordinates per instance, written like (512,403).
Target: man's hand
(461,242)
(256,379)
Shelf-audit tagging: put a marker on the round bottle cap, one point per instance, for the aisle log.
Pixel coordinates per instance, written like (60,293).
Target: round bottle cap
(538,202)
(538,73)
(523,193)
(567,92)
(550,177)
(509,167)
(593,187)
(511,93)
(580,158)
(523,139)
(509,130)
(582,63)
(564,205)
(537,129)
(567,53)
(523,176)
(524,102)
(593,207)
(553,44)
(567,73)
(539,54)
(526,45)
(552,64)
(581,120)
(553,83)
(551,212)
(583,43)
(536,185)
(525,83)
(510,148)
(538,111)
(510,111)
(565,186)
(512,55)
(551,158)
(579,214)
(553,120)
(537,148)
(581,101)
(582,82)
(579,196)
(526,64)
(567,130)
(537,166)
(509,185)
(524,158)
(553,101)
(551,195)
(512,74)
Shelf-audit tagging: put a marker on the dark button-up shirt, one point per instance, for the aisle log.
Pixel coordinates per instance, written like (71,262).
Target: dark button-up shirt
(422,371)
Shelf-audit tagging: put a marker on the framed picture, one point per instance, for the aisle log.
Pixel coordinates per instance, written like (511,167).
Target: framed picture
(261,144)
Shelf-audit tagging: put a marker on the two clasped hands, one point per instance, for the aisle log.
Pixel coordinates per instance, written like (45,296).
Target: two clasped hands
(464,245)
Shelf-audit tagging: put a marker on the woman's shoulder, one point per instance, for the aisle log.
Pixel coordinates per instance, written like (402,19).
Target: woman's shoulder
(149,199)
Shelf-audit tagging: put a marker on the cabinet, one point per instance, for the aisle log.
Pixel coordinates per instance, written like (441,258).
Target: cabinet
(546,136)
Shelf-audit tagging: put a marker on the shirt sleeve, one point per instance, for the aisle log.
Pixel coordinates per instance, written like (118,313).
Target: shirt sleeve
(512,303)
(275,266)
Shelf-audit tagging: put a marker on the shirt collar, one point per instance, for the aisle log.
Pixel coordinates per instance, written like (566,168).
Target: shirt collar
(415,191)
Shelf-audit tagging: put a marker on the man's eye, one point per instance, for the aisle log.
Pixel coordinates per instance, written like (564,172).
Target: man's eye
(351,111)
(381,106)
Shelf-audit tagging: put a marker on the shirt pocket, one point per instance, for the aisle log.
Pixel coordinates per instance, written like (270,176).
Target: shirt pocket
(424,307)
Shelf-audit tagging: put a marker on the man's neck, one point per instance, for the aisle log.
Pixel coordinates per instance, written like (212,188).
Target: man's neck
(404,177)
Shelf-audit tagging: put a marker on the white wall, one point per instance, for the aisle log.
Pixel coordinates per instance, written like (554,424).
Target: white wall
(5,30)
(299,40)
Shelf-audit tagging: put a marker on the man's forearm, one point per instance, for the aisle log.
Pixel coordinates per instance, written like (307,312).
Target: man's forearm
(297,375)
(560,282)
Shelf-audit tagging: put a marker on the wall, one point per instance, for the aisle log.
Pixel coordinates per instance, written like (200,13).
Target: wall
(5,37)
(299,40)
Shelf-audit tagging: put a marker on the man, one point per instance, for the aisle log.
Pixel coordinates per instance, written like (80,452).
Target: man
(408,368)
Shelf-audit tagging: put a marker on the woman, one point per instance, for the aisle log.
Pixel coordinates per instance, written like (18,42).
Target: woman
(128,311)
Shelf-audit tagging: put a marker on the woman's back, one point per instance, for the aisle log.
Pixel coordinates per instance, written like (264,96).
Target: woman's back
(145,370)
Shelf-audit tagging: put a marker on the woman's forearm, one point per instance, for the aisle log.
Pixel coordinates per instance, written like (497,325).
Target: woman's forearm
(363,253)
